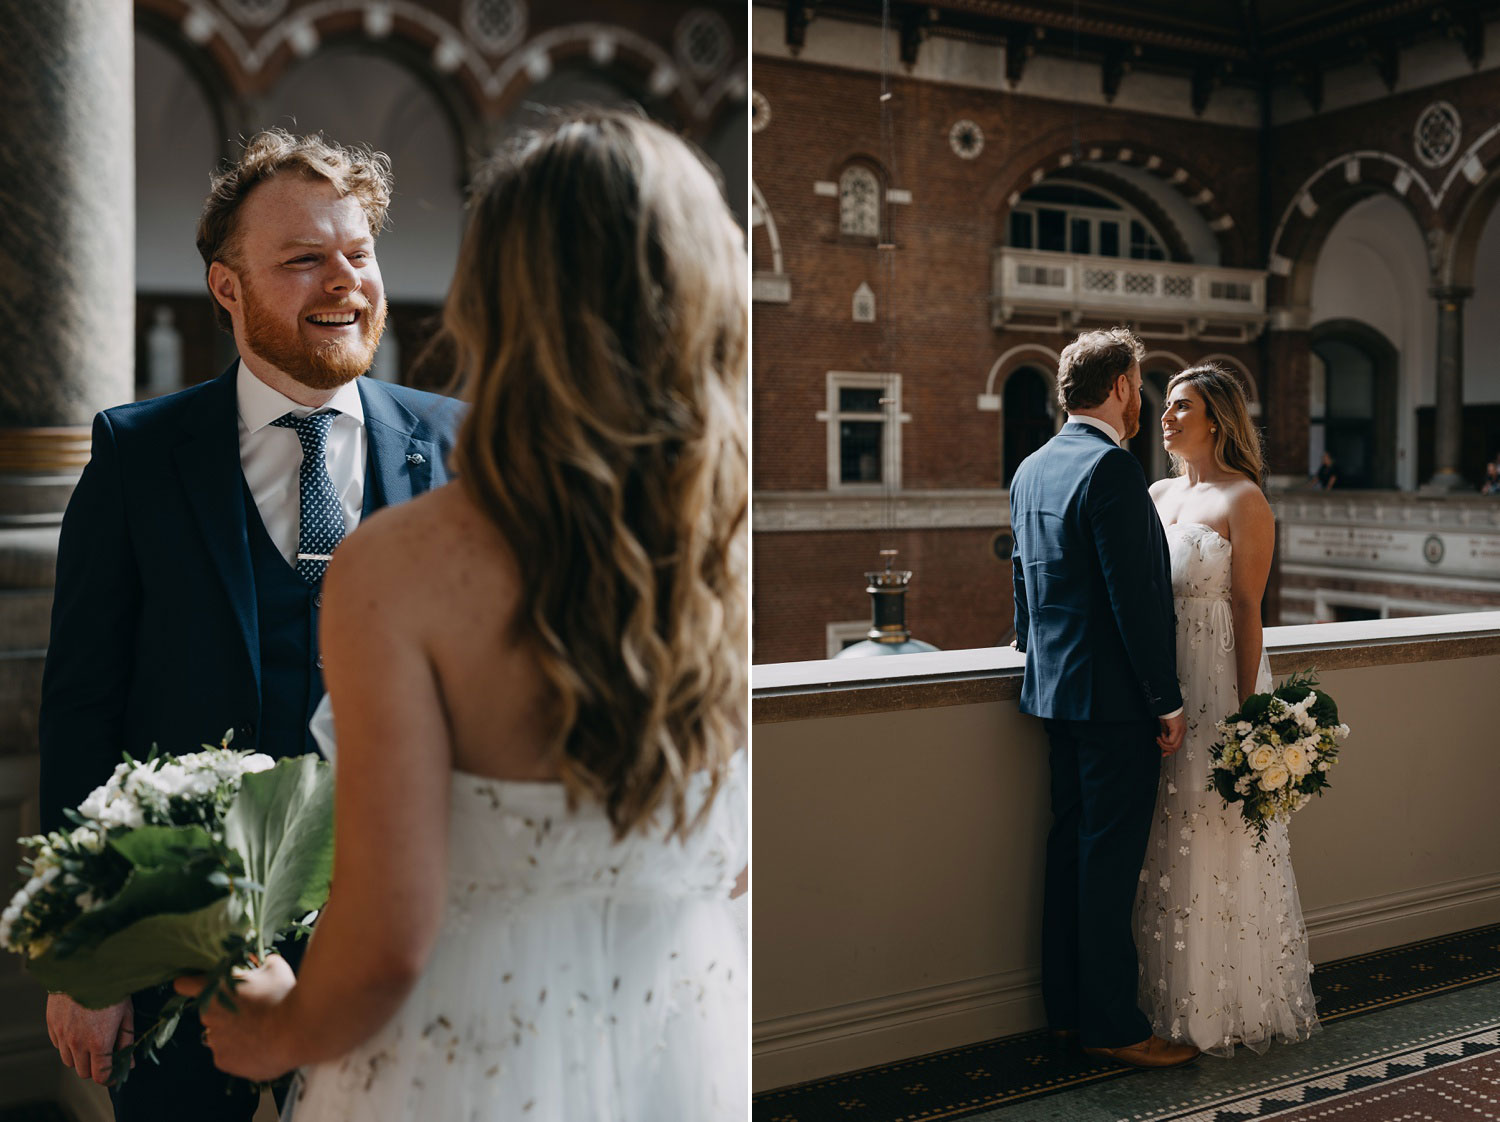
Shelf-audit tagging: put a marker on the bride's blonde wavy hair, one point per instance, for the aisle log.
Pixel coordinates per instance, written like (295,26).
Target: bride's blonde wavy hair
(600,317)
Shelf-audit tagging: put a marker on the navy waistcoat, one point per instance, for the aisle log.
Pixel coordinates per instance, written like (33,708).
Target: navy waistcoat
(291,669)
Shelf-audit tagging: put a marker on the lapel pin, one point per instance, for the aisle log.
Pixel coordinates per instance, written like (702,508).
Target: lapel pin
(416,458)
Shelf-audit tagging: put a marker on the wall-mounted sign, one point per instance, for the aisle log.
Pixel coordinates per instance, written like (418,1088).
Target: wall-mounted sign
(1419,552)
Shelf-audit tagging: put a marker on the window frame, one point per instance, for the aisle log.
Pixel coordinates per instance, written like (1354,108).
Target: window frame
(1121,215)
(859,166)
(890,438)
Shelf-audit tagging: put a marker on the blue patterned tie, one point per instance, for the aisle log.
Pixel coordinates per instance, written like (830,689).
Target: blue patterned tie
(322,520)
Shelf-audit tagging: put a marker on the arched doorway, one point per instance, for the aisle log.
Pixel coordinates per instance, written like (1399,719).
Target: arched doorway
(1027,417)
(1146,444)
(1352,404)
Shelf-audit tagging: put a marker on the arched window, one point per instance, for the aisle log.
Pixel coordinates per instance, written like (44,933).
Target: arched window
(1027,417)
(859,202)
(1064,218)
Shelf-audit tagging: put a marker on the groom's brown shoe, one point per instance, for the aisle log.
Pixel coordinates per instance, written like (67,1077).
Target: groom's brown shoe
(1151,1052)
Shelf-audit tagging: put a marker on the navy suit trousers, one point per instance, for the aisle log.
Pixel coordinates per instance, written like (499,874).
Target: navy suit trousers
(1104,779)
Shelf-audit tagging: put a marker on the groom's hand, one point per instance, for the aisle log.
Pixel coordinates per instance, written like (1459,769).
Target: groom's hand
(87,1038)
(1173,730)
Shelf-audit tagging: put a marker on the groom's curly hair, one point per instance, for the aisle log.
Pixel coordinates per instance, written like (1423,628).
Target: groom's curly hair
(600,318)
(1091,364)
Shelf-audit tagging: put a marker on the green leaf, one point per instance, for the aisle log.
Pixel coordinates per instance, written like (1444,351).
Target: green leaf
(147,953)
(172,867)
(281,823)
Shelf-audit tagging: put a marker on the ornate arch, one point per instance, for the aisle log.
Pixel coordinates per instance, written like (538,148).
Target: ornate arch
(762,218)
(1325,197)
(1173,359)
(1476,192)
(1168,166)
(1011,361)
(1252,390)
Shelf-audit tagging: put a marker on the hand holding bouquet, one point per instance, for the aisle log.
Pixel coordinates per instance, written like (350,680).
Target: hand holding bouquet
(188,864)
(1276,752)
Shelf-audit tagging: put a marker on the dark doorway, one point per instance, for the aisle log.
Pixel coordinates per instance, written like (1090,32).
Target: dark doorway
(1027,421)
(1353,414)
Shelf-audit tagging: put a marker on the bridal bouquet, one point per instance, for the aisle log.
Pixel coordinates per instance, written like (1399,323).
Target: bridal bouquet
(1276,752)
(178,864)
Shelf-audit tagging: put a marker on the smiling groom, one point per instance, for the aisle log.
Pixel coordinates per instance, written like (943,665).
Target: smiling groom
(191,558)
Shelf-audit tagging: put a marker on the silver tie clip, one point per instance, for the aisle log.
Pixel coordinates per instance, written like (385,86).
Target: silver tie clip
(314,557)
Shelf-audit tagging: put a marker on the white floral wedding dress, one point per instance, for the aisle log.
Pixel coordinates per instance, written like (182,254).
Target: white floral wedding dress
(576,979)
(1219,930)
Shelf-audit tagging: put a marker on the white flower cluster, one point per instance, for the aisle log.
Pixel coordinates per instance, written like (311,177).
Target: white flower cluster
(156,792)
(1274,767)
(138,792)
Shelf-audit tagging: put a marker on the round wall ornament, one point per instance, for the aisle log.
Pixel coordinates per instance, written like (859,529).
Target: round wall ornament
(760,111)
(966,139)
(1437,133)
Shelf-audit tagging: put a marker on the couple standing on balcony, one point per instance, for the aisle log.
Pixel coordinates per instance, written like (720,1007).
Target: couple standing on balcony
(1165,932)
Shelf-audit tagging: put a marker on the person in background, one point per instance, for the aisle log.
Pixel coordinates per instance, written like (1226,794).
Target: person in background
(1328,473)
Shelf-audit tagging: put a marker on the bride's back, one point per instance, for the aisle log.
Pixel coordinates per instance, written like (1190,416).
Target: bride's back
(460,594)
(581,594)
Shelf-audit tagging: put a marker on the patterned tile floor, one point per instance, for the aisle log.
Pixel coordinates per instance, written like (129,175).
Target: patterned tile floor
(1396,990)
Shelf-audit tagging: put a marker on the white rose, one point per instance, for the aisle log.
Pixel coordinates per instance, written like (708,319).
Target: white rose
(1295,760)
(1262,758)
(1274,778)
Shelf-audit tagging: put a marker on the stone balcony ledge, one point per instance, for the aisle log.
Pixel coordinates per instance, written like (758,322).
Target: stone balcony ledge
(799,691)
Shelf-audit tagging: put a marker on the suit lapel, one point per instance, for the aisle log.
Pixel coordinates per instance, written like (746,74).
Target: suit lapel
(208,466)
(400,465)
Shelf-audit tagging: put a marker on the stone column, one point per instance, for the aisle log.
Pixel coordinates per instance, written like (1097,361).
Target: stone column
(1285,370)
(67,350)
(1448,422)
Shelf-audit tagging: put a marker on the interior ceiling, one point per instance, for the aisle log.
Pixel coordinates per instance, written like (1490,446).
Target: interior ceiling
(1242,42)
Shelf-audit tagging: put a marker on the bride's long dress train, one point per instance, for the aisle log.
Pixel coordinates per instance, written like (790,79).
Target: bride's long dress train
(1222,943)
(576,979)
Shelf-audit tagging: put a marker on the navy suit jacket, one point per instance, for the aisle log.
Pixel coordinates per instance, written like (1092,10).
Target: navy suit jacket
(1093,584)
(155,637)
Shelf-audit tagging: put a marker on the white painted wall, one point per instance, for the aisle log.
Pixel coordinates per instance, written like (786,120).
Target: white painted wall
(1373,268)
(858,46)
(1482,321)
(176,147)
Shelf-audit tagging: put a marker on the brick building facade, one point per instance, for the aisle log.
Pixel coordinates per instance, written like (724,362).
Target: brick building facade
(1252,187)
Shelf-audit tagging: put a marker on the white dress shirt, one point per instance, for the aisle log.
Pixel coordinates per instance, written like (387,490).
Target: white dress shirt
(271,457)
(1103,426)
(1110,431)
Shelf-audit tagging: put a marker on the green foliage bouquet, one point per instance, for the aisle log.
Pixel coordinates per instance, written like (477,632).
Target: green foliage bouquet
(196,863)
(1275,753)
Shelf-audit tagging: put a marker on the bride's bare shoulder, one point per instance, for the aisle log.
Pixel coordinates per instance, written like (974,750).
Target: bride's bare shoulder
(428,548)
(1249,509)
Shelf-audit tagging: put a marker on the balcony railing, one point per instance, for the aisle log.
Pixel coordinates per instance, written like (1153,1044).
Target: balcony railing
(901,813)
(1036,289)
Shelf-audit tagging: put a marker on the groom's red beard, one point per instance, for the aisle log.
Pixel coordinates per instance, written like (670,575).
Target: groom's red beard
(323,365)
(1132,418)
